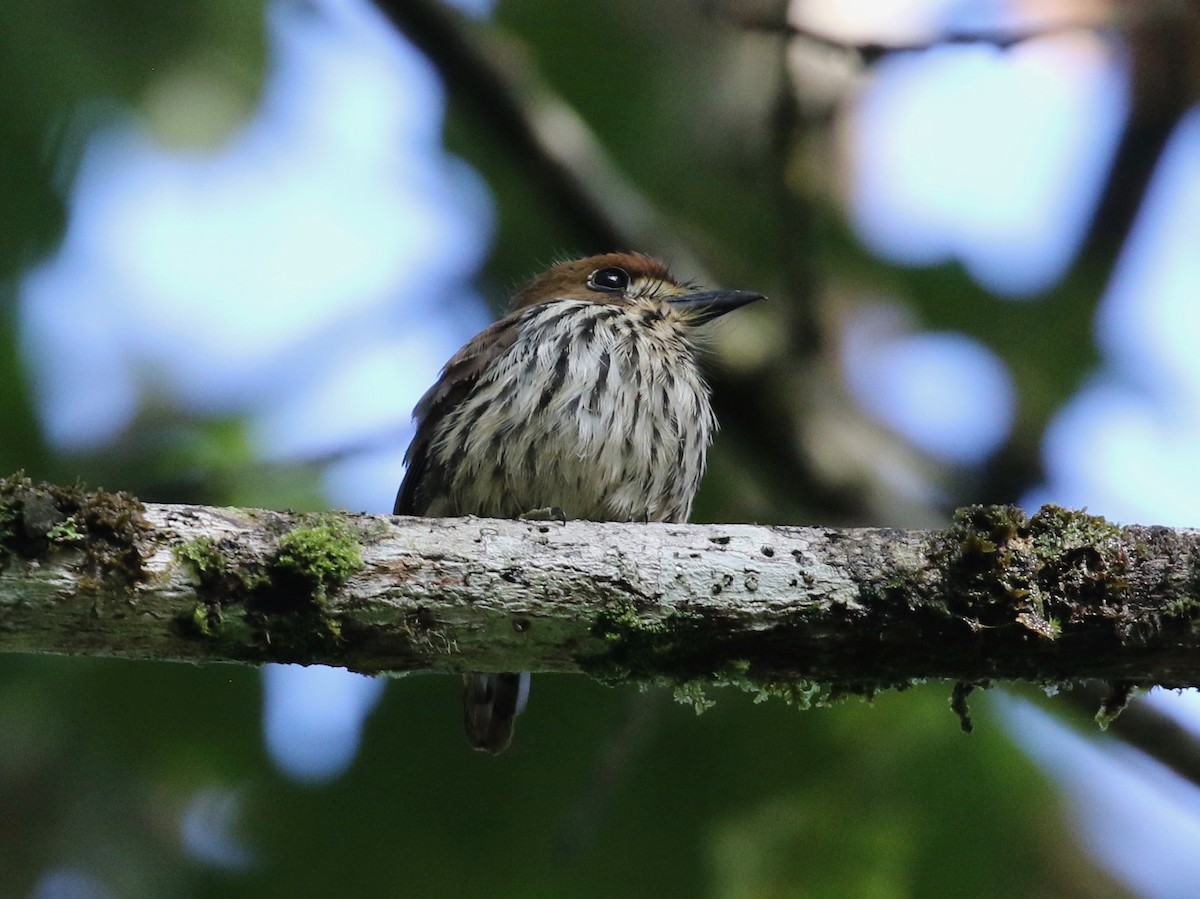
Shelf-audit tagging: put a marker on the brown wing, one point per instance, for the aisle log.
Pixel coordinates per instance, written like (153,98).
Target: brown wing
(424,482)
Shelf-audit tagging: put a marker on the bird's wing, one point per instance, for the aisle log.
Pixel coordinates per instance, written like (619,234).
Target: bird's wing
(422,482)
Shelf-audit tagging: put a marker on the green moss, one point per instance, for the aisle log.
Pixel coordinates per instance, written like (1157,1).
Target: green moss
(223,579)
(800,694)
(677,650)
(645,648)
(909,588)
(1184,609)
(1114,704)
(681,651)
(1002,567)
(227,589)
(39,519)
(273,608)
(324,555)
(1056,530)
(620,625)
(239,632)
(204,556)
(1194,575)
(692,693)
(199,620)
(66,532)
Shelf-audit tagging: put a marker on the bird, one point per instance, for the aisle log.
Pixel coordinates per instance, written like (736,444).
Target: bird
(585,402)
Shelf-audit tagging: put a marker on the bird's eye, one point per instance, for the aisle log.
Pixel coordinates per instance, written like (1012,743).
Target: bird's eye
(612,279)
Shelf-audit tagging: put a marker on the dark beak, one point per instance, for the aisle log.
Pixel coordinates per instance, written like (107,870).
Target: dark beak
(709,304)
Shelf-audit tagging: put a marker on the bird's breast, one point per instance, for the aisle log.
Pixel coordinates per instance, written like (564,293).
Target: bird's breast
(598,409)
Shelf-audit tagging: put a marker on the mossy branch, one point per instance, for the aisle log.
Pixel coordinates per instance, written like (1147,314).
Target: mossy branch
(1061,596)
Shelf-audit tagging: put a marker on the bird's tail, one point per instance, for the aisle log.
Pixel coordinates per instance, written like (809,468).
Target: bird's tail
(491,703)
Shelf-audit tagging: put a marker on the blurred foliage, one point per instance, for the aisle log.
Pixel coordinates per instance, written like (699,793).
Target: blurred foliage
(70,67)
(606,792)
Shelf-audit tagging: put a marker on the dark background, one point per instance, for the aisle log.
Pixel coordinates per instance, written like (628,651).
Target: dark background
(708,138)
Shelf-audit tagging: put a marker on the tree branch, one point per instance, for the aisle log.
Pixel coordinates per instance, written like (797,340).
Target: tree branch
(1061,596)
(560,153)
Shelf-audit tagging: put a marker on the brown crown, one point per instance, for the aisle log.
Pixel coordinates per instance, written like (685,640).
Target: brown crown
(569,279)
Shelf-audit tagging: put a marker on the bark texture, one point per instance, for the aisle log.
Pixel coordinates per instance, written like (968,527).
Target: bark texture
(1061,596)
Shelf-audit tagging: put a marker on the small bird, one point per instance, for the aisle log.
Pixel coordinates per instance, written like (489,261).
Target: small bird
(585,402)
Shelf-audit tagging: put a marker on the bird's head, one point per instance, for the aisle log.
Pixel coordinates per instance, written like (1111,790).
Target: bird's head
(630,279)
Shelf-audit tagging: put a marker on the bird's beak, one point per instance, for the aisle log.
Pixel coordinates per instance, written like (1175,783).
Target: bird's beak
(706,305)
